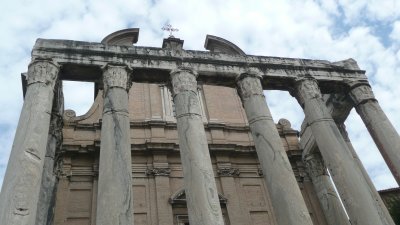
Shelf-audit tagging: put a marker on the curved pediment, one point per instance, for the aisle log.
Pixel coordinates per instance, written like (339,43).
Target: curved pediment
(217,44)
(125,37)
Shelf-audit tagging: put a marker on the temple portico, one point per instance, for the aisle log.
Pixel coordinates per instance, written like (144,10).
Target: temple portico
(200,137)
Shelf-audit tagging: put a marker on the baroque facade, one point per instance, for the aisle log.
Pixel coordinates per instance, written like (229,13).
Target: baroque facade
(185,137)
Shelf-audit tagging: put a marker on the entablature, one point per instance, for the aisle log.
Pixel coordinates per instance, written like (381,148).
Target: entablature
(82,61)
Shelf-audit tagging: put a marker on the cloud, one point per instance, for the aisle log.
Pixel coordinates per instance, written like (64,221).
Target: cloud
(321,29)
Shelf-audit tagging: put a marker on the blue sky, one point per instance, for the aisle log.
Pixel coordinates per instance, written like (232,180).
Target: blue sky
(366,30)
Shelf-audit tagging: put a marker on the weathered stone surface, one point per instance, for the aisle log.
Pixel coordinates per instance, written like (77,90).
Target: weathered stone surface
(339,107)
(45,208)
(287,201)
(213,68)
(380,206)
(114,201)
(201,191)
(20,192)
(330,202)
(381,129)
(352,187)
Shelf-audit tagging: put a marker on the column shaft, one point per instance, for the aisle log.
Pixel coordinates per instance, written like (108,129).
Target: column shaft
(327,196)
(45,210)
(287,201)
(352,187)
(20,192)
(380,206)
(201,191)
(381,129)
(114,204)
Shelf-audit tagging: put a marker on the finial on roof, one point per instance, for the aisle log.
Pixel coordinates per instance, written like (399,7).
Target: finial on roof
(168,27)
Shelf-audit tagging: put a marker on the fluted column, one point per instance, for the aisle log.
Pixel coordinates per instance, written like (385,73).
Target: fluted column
(201,191)
(327,196)
(380,206)
(22,181)
(352,187)
(287,201)
(114,201)
(381,129)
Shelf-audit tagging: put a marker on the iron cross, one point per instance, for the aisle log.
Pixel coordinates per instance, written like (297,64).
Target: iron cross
(168,27)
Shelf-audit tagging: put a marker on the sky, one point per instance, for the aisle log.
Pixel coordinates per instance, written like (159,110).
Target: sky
(365,30)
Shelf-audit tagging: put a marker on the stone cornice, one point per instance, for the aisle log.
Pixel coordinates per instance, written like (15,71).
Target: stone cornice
(218,68)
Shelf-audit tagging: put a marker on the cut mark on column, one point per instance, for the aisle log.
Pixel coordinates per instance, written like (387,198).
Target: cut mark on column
(33,154)
(21,211)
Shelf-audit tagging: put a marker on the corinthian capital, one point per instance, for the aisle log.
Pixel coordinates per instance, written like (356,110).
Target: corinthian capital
(306,87)
(43,71)
(183,79)
(315,165)
(249,84)
(116,76)
(360,92)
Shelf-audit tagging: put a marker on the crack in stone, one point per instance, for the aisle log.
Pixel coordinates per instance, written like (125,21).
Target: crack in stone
(33,154)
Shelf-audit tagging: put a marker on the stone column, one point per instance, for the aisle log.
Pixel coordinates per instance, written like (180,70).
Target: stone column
(114,204)
(201,191)
(381,129)
(287,201)
(327,196)
(352,187)
(47,195)
(383,212)
(20,192)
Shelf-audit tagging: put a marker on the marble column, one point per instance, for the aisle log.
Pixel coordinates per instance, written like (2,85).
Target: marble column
(380,206)
(381,129)
(287,201)
(21,186)
(323,186)
(48,189)
(352,187)
(201,191)
(114,201)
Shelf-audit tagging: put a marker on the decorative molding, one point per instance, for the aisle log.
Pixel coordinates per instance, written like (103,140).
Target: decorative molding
(228,172)
(158,172)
